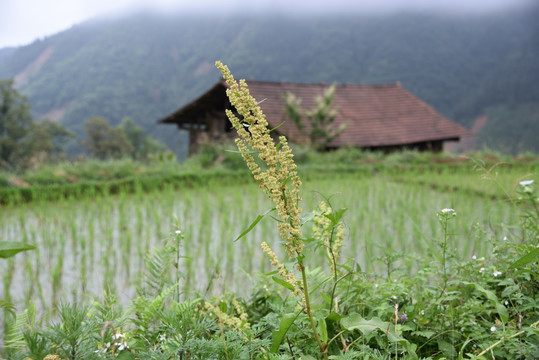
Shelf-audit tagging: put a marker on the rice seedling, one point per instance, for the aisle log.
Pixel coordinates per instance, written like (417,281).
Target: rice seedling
(87,245)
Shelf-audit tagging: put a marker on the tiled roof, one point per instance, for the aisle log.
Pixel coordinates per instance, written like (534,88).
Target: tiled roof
(376,115)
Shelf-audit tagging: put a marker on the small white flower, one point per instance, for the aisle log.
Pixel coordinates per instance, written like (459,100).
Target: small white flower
(496,273)
(122,346)
(526,182)
(394,297)
(493,328)
(481,270)
(506,302)
(447,210)
(505,238)
(162,337)
(117,336)
(376,286)
(422,312)
(474,257)
(178,232)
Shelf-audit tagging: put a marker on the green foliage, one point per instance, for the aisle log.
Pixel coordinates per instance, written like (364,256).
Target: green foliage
(23,142)
(45,140)
(321,130)
(125,140)
(9,249)
(104,141)
(15,124)
(487,309)
(143,145)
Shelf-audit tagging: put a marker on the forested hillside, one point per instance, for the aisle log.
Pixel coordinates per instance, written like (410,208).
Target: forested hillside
(146,66)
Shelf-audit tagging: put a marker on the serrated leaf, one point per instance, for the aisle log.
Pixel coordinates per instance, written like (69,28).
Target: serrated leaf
(356,322)
(425,333)
(502,311)
(447,348)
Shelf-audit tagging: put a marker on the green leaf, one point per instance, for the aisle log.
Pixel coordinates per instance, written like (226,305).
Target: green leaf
(125,355)
(526,259)
(283,283)
(278,335)
(425,333)
(336,216)
(253,224)
(8,307)
(447,348)
(278,126)
(223,306)
(323,330)
(11,248)
(356,322)
(308,217)
(489,294)
(502,311)
(333,316)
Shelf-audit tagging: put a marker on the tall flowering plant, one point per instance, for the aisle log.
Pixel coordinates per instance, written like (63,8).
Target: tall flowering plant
(276,174)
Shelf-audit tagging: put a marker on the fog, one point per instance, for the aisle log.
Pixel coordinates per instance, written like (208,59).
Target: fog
(23,21)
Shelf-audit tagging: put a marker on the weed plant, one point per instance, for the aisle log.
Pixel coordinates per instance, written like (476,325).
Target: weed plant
(480,306)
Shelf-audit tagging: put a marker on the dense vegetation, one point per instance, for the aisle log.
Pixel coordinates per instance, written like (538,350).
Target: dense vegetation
(146,66)
(397,273)
(96,247)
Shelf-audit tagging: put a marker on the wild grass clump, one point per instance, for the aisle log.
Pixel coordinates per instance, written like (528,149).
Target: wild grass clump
(481,307)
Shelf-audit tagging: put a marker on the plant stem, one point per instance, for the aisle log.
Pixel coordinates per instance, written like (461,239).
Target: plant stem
(505,339)
(444,248)
(323,347)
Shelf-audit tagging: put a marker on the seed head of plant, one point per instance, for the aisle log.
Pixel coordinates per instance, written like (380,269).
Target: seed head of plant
(277,175)
(283,272)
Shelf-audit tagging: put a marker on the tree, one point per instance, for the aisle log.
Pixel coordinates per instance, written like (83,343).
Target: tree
(321,131)
(15,124)
(143,145)
(104,141)
(44,141)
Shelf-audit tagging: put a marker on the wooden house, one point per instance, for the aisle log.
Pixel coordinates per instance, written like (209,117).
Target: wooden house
(378,117)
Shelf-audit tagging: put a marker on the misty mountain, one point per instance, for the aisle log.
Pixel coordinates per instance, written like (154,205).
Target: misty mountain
(6,52)
(145,66)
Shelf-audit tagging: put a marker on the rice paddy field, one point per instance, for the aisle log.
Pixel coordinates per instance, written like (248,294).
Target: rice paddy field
(88,245)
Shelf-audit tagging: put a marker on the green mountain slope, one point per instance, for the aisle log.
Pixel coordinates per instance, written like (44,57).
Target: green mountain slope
(146,66)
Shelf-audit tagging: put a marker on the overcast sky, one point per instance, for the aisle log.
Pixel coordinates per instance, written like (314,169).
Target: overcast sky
(23,21)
